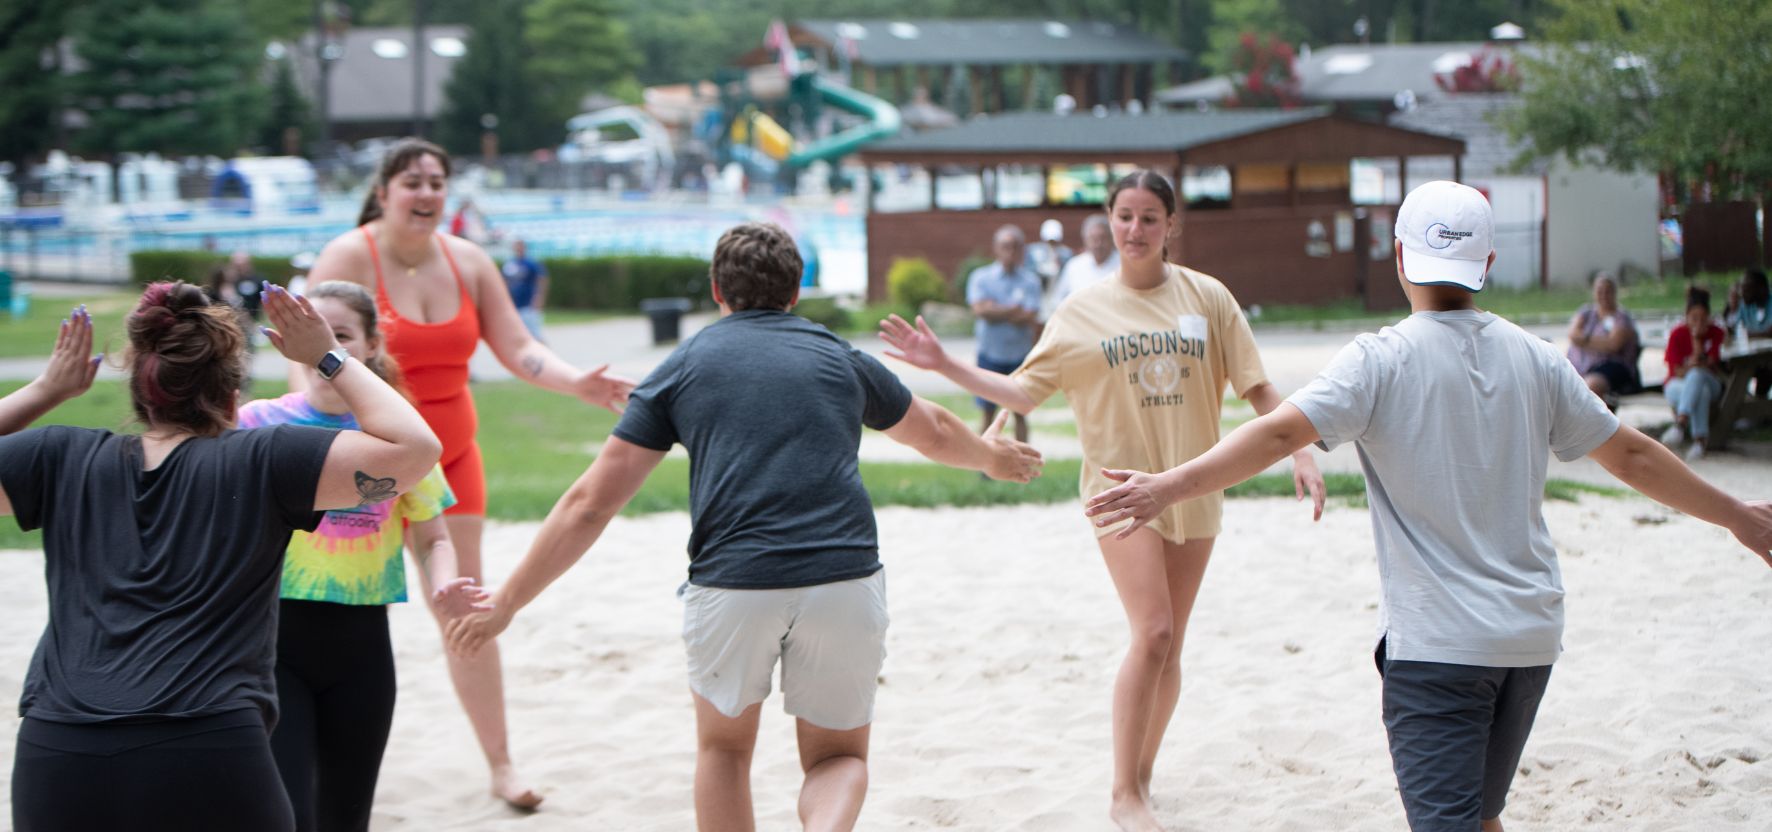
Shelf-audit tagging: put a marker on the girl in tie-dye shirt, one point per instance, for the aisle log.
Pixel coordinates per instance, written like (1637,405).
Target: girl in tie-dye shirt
(335,661)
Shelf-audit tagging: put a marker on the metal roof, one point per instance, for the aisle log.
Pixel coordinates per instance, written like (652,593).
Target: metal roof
(1365,72)
(939,42)
(1471,117)
(372,79)
(1083,133)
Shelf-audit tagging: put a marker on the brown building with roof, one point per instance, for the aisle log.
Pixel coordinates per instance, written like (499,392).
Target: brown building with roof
(1268,194)
(1094,63)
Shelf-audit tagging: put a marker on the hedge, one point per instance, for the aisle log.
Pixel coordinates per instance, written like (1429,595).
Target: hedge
(196,266)
(601,283)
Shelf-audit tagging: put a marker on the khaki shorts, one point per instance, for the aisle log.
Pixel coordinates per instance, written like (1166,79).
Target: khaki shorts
(830,638)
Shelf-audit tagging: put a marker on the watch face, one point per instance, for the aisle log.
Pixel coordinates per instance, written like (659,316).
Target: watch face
(330,363)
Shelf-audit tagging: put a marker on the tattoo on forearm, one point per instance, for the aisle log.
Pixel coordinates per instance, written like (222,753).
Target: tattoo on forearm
(533,365)
(372,490)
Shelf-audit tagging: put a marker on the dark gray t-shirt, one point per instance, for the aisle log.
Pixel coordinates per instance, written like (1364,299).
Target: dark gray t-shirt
(770,407)
(162,584)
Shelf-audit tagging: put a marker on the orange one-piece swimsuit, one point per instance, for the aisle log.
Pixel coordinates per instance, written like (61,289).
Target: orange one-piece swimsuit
(434,359)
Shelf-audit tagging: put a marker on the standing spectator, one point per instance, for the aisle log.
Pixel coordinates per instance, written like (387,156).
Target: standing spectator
(1099,261)
(1603,344)
(470,223)
(1005,296)
(1047,257)
(1694,349)
(528,282)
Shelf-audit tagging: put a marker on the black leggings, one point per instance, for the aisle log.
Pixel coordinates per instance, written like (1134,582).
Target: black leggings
(335,687)
(175,775)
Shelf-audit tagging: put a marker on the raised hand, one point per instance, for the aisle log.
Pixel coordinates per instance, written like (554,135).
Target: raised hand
(72,365)
(1139,497)
(460,597)
(301,335)
(467,634)
(603,389)
(1011,461)
(916,346)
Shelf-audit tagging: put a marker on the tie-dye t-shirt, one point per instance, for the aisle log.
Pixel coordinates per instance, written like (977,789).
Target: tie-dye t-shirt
(354,556)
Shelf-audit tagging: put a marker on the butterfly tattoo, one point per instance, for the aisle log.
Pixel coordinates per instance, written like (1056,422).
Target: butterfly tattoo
(374,490)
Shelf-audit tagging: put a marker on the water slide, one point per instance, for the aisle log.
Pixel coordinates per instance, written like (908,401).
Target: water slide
(882,122)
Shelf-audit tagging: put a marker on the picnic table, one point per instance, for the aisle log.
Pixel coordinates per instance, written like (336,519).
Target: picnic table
(1741,361)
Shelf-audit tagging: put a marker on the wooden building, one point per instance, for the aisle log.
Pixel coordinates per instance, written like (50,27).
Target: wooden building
(988,65)
(1268,197)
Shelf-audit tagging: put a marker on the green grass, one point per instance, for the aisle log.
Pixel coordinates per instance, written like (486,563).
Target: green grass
(1642,297)
(536,443)
(34,334)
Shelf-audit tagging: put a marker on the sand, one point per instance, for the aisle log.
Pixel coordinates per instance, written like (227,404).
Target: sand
(993,706)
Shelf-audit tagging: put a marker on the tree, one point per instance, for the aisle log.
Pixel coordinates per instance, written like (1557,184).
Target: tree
(30,77)
(288,110)
(493,79)
(1660,87)
(172,77)
(575,47)
(1485,72)
(1264,74)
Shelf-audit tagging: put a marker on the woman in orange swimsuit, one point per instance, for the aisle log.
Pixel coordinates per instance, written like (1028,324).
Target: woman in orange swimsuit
(439,296)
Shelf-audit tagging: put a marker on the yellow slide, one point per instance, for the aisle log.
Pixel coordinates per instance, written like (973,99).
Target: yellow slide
(773,139)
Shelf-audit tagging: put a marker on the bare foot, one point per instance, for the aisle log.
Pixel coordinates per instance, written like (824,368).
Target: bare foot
(1132,813)
(509,787)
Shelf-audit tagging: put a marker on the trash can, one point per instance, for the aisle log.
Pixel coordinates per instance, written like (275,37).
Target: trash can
(667,317)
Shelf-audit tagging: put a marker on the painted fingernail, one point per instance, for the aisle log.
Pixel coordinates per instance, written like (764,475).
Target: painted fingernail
(266,330)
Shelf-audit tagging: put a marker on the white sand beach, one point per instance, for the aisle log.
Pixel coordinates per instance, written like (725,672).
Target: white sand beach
(993,707)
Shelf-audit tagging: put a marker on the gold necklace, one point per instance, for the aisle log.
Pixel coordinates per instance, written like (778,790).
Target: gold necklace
(411,269)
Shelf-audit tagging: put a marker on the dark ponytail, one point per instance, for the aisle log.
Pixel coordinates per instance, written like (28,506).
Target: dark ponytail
(399,157)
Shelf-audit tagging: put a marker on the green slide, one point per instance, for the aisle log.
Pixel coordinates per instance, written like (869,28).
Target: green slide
(882,122)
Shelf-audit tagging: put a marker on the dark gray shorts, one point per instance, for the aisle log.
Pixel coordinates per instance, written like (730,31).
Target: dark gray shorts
(1456,733)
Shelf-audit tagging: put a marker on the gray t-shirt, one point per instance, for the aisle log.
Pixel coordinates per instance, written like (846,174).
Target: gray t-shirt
(163,584)
(770,407)
(1454,416)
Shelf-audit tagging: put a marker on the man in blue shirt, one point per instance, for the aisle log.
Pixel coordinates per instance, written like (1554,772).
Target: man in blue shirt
(528,283)
(1005,298)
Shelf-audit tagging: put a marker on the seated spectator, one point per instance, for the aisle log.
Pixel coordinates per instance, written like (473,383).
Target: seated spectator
(1603,344)
(1694,350)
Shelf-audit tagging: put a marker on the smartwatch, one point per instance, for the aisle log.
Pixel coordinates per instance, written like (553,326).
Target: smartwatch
(331,363)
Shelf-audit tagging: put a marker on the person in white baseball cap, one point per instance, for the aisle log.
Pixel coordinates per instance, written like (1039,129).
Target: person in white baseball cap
(1455,413)
(1446,236)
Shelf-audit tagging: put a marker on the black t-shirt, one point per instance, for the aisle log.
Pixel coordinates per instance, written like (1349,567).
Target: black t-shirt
(770,407)
(162,584)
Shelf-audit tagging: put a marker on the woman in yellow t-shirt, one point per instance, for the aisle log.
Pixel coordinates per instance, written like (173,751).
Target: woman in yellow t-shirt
(1143,360)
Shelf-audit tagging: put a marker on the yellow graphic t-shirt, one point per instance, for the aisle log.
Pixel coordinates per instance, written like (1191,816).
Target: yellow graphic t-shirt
(1145,372)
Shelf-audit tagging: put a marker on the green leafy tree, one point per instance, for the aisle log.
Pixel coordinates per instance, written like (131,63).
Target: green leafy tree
(493,79)
(287,110)
(1665,87)
(169,76)
(575,47)
(30,81)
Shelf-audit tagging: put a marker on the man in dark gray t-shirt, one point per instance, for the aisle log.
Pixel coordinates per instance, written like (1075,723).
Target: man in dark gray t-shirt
(1455,413)
(783,557)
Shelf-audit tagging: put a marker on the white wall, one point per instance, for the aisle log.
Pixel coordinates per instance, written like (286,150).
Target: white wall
(1599,219)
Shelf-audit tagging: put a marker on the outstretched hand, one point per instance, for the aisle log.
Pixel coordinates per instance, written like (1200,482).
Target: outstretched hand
(601,388)
(72,365)
(1756,533)
(467,634)
(1139,497)
(1011,460)
(460,597)
(1307,479)
(300,334)
(916,346)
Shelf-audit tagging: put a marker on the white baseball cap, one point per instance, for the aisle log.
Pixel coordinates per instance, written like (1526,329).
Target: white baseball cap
(1448,233)
(1051,230)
